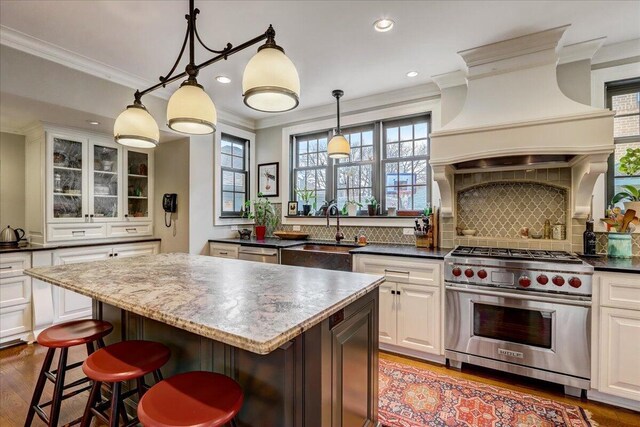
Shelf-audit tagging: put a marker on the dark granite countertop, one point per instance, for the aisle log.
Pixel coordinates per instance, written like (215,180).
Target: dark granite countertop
(372,248)
(31,248)
(615,265)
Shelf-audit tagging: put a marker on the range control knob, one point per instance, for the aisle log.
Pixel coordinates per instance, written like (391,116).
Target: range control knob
(482,274)
(542,279)
(574,282)
(468,272)
(456,271)
(524,281)
(558,280)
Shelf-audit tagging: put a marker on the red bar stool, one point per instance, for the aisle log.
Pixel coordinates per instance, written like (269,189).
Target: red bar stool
(191,399)
(62,337)
(123,361)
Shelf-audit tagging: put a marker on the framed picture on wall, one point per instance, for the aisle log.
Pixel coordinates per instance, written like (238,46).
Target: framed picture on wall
(268,179)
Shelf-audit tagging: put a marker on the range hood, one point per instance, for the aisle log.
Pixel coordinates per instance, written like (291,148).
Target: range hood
(515,116)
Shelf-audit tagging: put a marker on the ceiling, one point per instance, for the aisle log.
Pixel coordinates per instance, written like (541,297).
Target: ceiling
(332,43)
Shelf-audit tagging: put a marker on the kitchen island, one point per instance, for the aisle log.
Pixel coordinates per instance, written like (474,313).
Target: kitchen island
(301,342)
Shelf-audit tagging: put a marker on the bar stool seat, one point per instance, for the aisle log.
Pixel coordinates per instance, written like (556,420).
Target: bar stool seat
(126,360)
(191,399)
(74,333)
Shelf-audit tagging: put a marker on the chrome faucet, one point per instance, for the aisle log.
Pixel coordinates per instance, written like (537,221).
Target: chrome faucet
(334,205)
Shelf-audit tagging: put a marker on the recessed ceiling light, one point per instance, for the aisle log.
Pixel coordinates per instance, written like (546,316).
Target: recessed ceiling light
(412,73)
(383,25)
(93,122)
(223,79)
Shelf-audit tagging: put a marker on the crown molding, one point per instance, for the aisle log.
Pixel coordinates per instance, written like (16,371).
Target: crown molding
(580,51)
(413,93)
(617,51)
(15,131)
(451,79)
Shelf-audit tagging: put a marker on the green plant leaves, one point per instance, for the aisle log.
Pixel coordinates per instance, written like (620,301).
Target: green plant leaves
(630,162)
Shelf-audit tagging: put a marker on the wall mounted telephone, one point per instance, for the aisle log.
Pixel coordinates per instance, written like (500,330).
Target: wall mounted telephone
(170,205)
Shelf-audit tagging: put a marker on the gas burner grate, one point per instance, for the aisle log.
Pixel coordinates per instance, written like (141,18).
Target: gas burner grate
(521,254)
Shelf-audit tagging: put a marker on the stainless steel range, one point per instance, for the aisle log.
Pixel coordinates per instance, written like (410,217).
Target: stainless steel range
(527,312)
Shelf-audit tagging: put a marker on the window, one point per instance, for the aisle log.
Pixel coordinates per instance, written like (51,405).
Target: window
(234,170)
(624,99)
(389,161)
(406,164)
(310,166)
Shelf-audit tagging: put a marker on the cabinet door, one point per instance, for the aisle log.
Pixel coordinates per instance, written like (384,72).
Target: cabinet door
(387,312)
(127,251)
(138,185)
(67,190)
(620,352)
(104,176)
(418,309)
(68,305)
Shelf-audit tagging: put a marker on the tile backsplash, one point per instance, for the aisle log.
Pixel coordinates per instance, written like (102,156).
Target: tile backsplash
(602,239)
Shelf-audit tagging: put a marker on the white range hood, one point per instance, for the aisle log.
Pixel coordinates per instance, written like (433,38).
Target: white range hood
(515,116)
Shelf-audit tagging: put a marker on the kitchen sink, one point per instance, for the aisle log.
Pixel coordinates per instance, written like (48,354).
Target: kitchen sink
(327,256)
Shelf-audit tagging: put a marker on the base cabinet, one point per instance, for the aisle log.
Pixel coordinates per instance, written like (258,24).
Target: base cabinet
(410,303)
(616,339)
(15,298)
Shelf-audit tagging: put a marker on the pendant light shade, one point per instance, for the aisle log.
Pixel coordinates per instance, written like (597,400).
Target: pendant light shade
(339,147)
(270,82)
(191,111)
(135,127)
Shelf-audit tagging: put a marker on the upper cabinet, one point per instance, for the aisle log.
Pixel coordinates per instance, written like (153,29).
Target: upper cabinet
(83,186)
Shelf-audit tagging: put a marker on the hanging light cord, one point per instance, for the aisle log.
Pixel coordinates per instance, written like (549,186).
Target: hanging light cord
(337,94)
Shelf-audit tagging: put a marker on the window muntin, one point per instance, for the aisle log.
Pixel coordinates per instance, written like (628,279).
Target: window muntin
(406,163)
(624,99)
(311,166)
(234,153)
(355,177)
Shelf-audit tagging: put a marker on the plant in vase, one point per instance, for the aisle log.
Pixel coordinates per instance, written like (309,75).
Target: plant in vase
(372,205)
(350,208)
(306,196)
(629,165)
(264,215)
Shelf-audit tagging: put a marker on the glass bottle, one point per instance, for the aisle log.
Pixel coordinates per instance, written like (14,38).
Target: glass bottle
(547,230)
(589,239)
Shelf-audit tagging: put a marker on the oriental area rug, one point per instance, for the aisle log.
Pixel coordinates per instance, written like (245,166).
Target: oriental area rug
(413,397)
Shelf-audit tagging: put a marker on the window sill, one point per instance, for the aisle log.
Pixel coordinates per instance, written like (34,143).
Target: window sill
(354,217)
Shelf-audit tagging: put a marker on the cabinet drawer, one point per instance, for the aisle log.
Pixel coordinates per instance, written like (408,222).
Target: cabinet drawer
(139,249)
(15,320)
(400,269)
(224,250)
(60,232)
(15,291)
(620,290)
(129,230)
(13,264)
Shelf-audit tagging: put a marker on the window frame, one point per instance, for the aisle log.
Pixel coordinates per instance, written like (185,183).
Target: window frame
(244,171)
(295,168)
(612,89)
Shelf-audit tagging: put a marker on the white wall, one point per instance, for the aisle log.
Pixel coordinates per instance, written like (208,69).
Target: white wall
(12,179)
(172,176)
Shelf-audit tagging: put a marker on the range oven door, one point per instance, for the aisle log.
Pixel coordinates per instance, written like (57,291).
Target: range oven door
(550,333)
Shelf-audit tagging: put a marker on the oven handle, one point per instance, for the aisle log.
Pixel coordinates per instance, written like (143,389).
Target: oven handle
(554,300)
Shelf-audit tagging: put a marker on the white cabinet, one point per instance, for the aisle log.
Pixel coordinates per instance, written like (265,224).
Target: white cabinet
(15,297)
(616,339)
(224,250)
(82,186)
(411,305)
(68,305)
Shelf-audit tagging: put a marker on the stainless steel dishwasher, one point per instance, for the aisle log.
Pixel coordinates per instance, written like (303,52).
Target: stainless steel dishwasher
(268,255)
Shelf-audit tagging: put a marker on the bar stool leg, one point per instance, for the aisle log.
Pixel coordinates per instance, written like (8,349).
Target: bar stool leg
(115,405)
(94,396)
(59,388)
(37,393)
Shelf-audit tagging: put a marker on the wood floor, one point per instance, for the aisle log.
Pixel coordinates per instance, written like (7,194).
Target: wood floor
(20,365)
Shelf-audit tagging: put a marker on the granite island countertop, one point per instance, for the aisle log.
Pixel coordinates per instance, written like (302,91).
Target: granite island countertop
(249,305)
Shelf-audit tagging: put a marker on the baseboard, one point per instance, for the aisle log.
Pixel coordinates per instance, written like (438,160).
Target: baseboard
(413,353)
(622,402)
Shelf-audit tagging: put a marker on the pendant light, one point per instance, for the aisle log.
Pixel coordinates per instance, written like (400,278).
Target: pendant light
(270,83)
(135,127)
(338,147)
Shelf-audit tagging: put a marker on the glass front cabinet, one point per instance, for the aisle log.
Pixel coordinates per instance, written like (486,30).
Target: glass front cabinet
(95,188)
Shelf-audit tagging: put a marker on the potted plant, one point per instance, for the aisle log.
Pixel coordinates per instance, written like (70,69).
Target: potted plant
(306,196)
(264,215)
(372,205)
(629,165)
(350,208)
